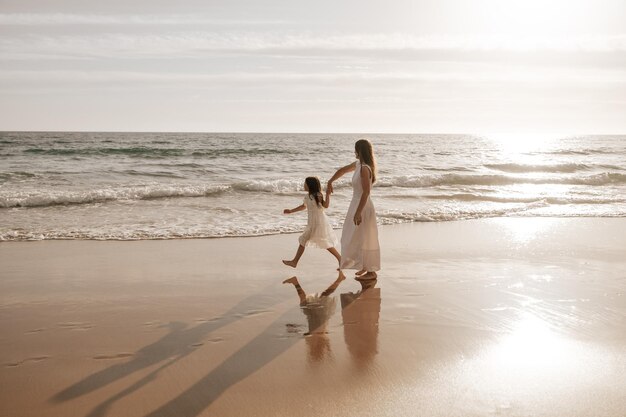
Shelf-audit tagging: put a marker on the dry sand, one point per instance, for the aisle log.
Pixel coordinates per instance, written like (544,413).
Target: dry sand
(511,316)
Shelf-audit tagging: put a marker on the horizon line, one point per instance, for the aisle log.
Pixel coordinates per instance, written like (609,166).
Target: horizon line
(518,133)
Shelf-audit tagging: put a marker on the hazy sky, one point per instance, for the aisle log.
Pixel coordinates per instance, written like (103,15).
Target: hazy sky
(475,66)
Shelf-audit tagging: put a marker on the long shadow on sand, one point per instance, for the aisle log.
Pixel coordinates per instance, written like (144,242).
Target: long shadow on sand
(257,353)
(172,347)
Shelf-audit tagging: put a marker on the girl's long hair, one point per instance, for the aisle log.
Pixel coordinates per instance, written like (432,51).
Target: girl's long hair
(315,189)
(364,149)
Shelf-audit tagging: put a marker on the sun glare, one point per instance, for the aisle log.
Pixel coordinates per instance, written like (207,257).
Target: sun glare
(523,230)
(522,143)
(532,347)
(537,17)
(533,351)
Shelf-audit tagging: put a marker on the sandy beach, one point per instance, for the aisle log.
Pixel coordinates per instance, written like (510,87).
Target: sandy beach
(502,316)
(163,165)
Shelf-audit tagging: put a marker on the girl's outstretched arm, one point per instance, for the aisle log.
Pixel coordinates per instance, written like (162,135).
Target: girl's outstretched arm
(340,173)
(327,199)
(294,210)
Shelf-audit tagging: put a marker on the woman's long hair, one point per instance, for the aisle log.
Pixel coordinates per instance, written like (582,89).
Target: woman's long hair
(315,189)
(365,151)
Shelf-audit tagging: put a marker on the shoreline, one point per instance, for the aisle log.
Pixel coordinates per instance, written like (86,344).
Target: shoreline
(338,230)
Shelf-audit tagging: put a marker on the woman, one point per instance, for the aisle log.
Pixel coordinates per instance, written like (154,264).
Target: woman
(359,237)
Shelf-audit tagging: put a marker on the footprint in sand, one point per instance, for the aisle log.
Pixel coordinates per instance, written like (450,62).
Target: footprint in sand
(294,328)
(74,325)
(115,356)
(33,359)
(205,320)
(252,313)
(34,331)
(216,340)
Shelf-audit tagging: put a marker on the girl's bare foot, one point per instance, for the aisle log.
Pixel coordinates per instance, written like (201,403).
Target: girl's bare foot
(367,277)
(292,264)
(292,280)
(359,273)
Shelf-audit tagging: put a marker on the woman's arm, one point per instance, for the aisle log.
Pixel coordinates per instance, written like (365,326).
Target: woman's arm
(294,210)
(340,173)
(366,183)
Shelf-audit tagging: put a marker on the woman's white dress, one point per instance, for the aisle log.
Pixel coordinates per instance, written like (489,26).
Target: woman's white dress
(318,232)
(359,244)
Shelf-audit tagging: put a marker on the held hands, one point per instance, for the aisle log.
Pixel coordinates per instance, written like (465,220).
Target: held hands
(357,218)
(329,188)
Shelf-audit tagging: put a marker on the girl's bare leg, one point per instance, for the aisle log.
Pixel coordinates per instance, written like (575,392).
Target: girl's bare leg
(294,262)
(335,254)
(296,284)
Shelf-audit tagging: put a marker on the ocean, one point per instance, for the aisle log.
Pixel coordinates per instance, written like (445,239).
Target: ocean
(126,186)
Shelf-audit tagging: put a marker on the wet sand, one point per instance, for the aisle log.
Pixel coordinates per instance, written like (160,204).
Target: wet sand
(509,316)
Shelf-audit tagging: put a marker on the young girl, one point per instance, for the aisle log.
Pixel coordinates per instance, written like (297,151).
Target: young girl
(318,232)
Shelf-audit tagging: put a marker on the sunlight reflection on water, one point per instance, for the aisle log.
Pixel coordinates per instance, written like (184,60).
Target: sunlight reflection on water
(523,231)
(533,364)
(519,145)
(532,348)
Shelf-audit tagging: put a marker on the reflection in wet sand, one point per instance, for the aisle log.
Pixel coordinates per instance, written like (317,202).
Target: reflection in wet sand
(361,312)
(535,350)
(318,309)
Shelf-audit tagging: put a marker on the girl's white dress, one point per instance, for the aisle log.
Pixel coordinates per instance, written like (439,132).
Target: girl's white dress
(359,244)
(318,309)
(318,232)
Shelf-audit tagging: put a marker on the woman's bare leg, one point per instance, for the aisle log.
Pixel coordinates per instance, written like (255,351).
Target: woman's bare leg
(294,262)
